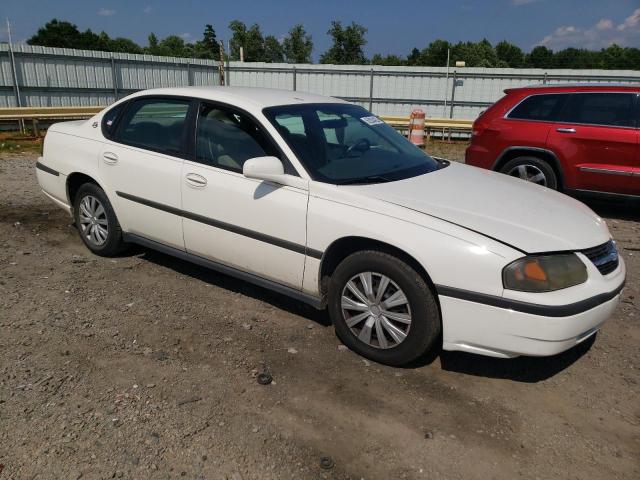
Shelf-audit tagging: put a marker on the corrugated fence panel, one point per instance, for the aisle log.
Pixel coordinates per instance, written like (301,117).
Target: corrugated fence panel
(66,77)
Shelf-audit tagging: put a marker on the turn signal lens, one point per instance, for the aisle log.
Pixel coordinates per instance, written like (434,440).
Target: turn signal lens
(544,273)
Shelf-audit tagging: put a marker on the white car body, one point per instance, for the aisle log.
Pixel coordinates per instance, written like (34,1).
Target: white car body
(461,224)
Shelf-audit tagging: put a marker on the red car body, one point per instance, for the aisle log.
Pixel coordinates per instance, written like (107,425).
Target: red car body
(584,138)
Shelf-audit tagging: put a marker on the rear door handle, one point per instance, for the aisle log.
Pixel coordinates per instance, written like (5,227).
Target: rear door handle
(195,180)
(110,158)
(566,130)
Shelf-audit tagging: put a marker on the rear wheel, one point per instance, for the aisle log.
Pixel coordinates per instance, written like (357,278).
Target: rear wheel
(97,222)
(532,169)
(382,308)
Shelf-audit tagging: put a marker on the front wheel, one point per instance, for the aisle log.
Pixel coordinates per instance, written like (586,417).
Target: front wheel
(97,222)
(382,308)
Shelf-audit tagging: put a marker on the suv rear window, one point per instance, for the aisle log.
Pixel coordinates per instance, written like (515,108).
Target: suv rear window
(544,107)
(613,109)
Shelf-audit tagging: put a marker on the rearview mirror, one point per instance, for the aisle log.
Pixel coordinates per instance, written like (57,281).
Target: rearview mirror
(271,170)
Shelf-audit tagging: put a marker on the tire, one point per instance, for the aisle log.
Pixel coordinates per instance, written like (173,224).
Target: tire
(92,221)
(424,327)
(532,169)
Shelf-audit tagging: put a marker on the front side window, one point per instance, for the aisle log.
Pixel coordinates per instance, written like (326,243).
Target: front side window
(539,107)
(343,143)
(154,124)
(226,138)
(612,109)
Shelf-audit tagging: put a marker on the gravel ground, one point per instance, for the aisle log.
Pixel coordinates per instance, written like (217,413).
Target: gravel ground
(144,366)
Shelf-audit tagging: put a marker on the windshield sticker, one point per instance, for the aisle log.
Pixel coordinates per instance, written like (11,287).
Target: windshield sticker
(372,120)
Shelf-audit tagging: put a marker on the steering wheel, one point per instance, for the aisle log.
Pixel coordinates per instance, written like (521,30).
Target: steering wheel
(361,145)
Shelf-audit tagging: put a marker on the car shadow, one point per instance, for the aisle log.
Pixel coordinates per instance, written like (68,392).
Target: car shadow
(519,369)
(227,282)
(619,209)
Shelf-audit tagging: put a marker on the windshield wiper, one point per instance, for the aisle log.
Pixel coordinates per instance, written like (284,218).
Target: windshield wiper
(365,180)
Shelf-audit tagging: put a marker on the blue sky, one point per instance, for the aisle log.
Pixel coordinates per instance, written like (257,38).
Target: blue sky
(394,26)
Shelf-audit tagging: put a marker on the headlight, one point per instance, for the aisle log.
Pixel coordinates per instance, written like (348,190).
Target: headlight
(544,273)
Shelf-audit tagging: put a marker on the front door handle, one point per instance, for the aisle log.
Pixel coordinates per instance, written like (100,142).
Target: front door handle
(195,180)
(110,158)
(566,130)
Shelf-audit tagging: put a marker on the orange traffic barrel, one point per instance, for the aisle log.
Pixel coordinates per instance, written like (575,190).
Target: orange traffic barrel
(416,127)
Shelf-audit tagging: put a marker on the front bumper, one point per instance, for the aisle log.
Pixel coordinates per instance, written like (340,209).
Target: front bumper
(499,331)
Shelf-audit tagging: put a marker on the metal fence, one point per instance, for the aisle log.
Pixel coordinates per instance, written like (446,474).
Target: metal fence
(65,77)
(56,77)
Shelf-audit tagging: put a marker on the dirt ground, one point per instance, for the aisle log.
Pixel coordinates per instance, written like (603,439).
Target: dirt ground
(144,366)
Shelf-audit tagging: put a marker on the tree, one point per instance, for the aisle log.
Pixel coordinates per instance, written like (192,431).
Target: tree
(250,40)
(389,60)
(57,33)
(348,43)
(510,54)
(414,57)
(207,47)
(298,45)
(273,51)
(540,57)
(435,54)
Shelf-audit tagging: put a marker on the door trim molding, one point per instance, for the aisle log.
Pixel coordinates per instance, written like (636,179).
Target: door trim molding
(245,232)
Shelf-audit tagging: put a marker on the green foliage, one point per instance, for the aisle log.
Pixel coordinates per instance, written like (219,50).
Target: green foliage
(250,40)
(273,51)
(540,57)
(59,33)
(348,43)
(298,45)
(389,60)
(510,55)
(347,48)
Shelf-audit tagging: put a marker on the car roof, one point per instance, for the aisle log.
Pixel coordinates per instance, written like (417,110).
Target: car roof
(578,87)
(248,97)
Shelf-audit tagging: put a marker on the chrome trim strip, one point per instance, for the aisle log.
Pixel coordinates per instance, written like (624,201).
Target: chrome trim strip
(608,171)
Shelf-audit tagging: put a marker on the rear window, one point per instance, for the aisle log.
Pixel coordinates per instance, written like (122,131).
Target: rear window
(612,109)
(544,107)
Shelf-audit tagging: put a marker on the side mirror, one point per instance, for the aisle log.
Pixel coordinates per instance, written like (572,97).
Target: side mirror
(264,168)
(271,170)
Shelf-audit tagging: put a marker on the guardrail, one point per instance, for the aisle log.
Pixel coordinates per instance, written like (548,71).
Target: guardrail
(446,125)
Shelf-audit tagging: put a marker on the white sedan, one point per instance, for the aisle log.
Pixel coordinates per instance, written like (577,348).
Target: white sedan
(318,199)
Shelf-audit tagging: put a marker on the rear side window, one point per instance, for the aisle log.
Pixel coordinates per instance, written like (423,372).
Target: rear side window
(110,120)
(611,109)
(544,107)
(154,124)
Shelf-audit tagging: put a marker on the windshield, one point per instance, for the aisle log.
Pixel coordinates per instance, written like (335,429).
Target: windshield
(342,143)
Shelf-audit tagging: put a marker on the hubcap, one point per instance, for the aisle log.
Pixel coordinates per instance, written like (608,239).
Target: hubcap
(376,310)
(93,220)
(529,173)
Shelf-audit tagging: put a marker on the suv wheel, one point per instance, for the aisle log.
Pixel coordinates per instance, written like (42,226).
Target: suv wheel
(96,221)
(382,308)
(532,169)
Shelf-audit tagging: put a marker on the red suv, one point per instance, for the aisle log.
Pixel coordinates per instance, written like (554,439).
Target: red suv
(577,138)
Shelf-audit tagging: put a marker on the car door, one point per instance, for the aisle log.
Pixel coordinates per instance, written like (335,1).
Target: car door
(596,140)
(251,225)
(141,166)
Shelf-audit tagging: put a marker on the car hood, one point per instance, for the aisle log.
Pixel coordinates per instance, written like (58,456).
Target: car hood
(524,215)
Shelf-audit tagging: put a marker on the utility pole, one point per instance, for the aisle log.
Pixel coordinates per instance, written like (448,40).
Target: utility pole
(446,87)
(14,71)
(221,65)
